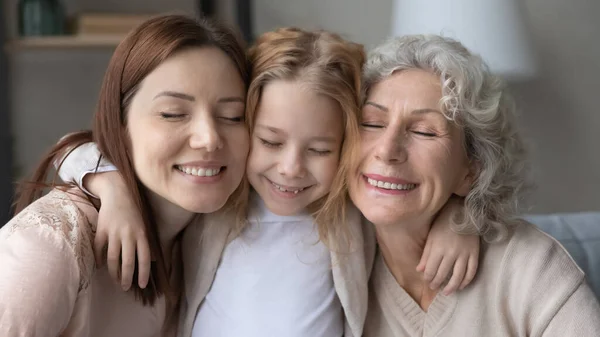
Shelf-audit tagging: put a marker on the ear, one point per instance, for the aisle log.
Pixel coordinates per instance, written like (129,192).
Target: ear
(464,186)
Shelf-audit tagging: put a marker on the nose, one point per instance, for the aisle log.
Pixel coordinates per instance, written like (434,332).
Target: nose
(291,164)
(205,135)
(390,147)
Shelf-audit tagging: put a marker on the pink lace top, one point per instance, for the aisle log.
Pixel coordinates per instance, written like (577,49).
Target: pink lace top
(49,284)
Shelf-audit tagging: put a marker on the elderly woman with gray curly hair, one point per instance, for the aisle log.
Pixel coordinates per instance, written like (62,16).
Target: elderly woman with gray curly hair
(436,124)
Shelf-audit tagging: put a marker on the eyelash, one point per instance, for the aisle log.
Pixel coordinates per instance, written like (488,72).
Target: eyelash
(276,145)
(269,144)
(167,115)
(374,126)
(233,119)
(425,134)
(320,152)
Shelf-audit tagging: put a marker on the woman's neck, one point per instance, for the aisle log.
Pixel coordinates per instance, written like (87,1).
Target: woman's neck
(401,247)
(170,221)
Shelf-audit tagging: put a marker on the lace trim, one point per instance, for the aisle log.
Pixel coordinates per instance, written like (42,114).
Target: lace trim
(57,212)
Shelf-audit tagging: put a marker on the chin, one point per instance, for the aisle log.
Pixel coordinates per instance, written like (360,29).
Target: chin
(370,208)
(378,218)
(203,204)
(283,210)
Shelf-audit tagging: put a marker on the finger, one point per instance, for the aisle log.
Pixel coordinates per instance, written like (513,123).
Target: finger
(443,271)
(144,262)
(431,268)
(127,263)
(100,242)
(424,257)
(113,254)
(472,266)
(458,274)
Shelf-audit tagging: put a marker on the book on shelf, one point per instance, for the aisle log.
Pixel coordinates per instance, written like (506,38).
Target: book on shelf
(107,23)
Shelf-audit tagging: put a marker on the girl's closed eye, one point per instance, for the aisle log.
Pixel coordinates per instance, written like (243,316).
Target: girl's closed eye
(269,144)
(320,152)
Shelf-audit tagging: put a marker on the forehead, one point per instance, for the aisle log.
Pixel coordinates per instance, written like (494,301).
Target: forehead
(206,70)
(408,88)
(292,104)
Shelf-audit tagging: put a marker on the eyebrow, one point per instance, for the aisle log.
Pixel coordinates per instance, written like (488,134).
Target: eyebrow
(232,99)
(176,94)
(325,139)
(191,98)
(416,111)
(378,106)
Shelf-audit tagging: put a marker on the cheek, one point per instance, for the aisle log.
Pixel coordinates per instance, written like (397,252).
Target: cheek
(258,158)
(365,148)
(240,144)
(152,145)
(327,169)
(442,161)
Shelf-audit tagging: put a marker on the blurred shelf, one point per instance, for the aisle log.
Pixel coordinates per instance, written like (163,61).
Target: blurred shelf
(65,42)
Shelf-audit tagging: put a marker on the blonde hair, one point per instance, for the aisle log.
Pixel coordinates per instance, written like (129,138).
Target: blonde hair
(332,66)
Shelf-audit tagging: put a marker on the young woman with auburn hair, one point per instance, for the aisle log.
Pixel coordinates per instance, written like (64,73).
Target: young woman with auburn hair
(173,95)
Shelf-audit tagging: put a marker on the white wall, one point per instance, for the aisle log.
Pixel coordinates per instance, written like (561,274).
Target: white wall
(560,113)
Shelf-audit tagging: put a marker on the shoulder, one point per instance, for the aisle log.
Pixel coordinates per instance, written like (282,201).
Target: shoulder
(541,253)
(66,218)
(531,274)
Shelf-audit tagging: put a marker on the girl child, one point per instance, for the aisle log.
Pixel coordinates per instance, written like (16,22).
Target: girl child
(299,263)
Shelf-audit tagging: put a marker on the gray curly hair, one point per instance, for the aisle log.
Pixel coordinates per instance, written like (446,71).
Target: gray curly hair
(477,102)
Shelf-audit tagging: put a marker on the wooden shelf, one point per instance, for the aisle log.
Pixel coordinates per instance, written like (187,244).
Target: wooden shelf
(64,42)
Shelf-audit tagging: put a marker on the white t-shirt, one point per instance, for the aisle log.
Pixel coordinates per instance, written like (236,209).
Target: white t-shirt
(274,280)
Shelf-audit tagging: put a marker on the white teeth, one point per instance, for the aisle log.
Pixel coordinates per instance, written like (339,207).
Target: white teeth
(285,190)
(199,171)
(390,186)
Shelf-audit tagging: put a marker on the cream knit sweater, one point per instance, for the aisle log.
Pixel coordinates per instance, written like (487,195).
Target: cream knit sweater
(527,285)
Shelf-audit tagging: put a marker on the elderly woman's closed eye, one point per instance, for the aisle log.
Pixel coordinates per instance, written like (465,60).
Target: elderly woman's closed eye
(436,124)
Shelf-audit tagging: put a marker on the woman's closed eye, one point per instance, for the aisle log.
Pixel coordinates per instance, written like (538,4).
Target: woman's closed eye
(172,115)
(371,125)
(428,134)
(237,119)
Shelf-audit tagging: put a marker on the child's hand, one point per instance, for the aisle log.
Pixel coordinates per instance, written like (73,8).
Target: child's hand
(448,253)
(120,227)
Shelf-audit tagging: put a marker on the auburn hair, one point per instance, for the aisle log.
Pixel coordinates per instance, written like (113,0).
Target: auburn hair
(332,67)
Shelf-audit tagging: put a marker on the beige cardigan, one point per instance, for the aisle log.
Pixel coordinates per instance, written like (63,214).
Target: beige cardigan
(49,284)
(526,286)
(203,245)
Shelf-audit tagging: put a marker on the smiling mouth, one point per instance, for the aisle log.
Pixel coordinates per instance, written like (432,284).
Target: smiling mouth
(287,189)
(200,171)
(390,186)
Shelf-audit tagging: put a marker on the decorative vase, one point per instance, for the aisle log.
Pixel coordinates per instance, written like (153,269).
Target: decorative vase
(41,18)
